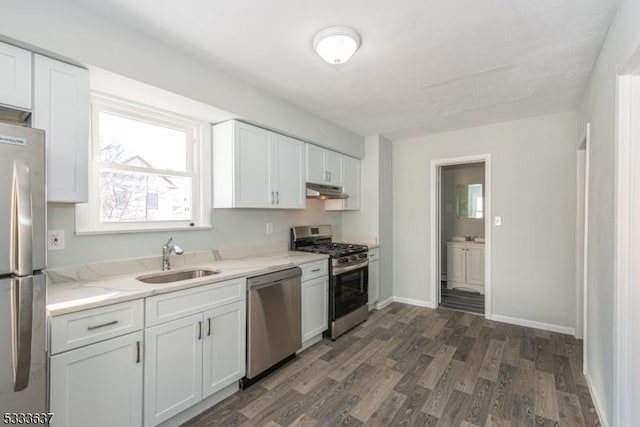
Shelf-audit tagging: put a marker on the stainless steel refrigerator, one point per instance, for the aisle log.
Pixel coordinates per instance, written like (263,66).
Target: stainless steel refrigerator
(23,372)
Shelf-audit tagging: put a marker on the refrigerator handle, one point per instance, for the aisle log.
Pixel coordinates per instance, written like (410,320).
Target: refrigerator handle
(21,331)
(22,221)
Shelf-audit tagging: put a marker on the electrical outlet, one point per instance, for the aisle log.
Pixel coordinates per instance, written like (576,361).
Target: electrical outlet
(497,221)
(269,228)
(55,240)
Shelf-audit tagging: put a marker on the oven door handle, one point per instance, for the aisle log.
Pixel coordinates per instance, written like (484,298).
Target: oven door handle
(340,270)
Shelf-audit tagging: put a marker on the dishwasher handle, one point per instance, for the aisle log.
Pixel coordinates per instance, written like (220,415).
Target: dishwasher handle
(274,278)
(266,285)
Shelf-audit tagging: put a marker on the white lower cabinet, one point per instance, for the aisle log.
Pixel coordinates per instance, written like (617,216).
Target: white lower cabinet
(465,266)
(374,277)
(99,384)
(191,358)
(193,346)
(223,361)
(173,368)
(315,301)
(315,307)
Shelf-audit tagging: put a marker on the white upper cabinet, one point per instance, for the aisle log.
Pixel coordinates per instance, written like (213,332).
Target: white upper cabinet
(257,168)
(61,108)
(15,77)
(350,172)
(323,166)
(252,164)
(288,172)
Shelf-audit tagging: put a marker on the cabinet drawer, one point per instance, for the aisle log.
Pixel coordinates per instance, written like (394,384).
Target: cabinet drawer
(311,270)
(90,326)
(374,254)
(175,305)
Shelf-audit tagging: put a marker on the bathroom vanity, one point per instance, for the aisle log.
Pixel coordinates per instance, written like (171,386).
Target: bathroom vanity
(465,266)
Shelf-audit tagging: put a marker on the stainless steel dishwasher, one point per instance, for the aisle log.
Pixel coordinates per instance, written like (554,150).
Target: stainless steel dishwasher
(274,331)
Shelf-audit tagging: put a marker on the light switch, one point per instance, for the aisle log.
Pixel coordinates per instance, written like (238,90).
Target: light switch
(497,221)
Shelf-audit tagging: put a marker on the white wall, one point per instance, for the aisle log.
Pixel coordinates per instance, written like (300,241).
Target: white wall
(67,30)
(598,106)
(233,228)
(385,218)
(452,176)
(533,189)
(373,222)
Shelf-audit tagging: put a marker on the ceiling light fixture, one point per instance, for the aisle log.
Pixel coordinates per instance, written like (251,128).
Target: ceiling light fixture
(336,44)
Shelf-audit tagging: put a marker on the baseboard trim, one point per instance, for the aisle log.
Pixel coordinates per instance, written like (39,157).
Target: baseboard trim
(533,324)
(311,341)
(382,304)
(200,407)
(416,302)
(597,402)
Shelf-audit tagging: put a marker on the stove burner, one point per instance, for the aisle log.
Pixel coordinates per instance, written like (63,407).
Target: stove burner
(334,249)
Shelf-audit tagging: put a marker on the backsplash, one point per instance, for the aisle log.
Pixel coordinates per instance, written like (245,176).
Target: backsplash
(232,228)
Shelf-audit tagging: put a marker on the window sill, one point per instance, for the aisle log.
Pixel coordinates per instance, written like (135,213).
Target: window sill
(147,229)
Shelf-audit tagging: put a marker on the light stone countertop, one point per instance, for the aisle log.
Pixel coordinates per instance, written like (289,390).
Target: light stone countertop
(76,288)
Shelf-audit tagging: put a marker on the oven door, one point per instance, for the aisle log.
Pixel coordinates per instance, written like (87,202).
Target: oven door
(349,289)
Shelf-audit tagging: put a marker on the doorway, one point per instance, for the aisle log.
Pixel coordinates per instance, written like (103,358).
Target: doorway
(460,225)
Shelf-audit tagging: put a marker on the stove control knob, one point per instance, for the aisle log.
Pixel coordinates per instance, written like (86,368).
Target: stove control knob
(342,260)
(353,258)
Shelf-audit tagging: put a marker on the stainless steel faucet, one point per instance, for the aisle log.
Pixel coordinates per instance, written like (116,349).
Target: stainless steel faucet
(166,254)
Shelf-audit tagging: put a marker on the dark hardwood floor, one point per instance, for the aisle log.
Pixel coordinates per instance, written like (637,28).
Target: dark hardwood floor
(413,366)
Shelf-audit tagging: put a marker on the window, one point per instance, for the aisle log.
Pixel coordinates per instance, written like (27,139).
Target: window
(149,170)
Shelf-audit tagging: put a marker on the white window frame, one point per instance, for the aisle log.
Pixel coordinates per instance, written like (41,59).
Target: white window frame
(199,168)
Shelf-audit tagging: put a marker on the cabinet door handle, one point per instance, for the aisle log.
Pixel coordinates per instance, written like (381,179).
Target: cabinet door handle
(209,327)
(272,197)
(277,197)
(137,351)
(315,270)
(199,329)
(329,173)
(91,328)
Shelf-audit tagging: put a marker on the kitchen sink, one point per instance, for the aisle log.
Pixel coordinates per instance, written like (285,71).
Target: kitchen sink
(176,276)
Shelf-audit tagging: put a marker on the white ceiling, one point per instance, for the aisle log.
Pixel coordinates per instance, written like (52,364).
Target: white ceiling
(424,65)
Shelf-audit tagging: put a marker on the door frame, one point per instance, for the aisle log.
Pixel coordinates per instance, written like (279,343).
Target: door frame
(582,233)
(626,350)
(435,227)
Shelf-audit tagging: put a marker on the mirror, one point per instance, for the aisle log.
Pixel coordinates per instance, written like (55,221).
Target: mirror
(470,201)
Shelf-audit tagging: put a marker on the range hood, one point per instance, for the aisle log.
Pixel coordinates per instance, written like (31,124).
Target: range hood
(324,192)
(14,116)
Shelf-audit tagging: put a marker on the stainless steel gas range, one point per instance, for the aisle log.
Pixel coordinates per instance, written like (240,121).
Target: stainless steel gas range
(349,274)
